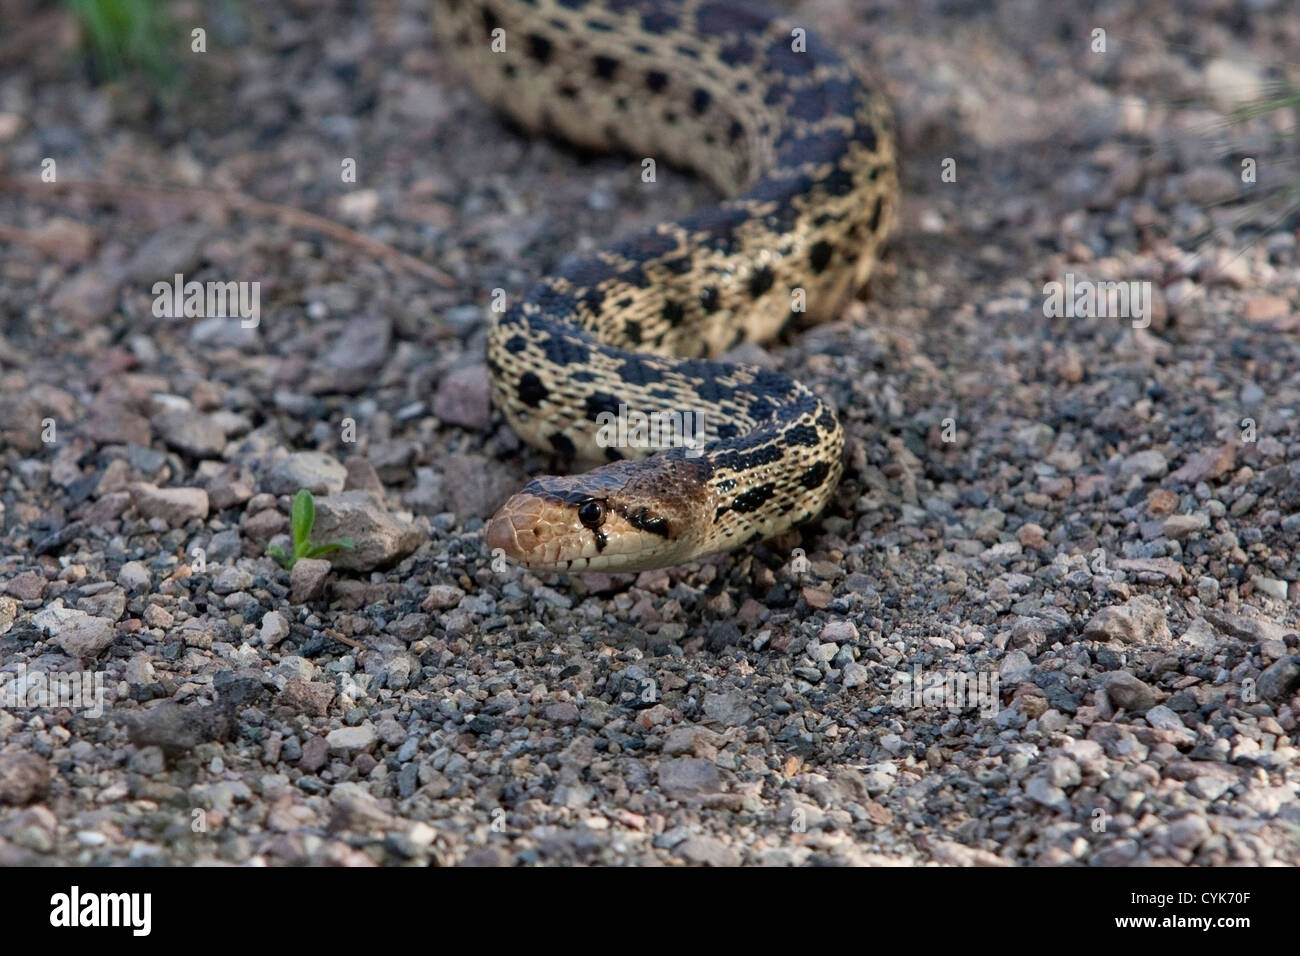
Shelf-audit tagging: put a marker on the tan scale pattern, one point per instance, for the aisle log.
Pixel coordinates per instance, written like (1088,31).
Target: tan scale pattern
(806,151)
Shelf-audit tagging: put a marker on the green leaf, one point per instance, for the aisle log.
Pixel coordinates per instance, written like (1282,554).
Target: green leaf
(327,548)
(304,516)
(279,555)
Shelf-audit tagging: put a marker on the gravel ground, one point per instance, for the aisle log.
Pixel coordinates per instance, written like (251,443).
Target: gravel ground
(1094,523)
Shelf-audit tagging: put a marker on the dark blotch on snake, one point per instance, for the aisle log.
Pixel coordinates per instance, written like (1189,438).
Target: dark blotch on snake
(819,256)
(605,66)
(637,371)
(599,402)
(658,21)
(754,498)
(815,475)
(563,446)
(531,390)
(561,350)
(804,435)
(760,281)
(539,48)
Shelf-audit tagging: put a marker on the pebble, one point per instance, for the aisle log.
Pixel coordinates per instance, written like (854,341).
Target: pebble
(274,628)
(307,579)
(319,473)
(174,506)
(348,740)
(24,778)
(464,398)
(379,538)
(1140,620)
(191,433)
(689,778)
(1127,692)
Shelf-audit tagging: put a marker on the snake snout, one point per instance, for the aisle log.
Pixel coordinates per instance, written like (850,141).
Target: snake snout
(516,527)
(500,533)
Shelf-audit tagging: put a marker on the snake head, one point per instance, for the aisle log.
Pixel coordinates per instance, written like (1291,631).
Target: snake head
(625,516)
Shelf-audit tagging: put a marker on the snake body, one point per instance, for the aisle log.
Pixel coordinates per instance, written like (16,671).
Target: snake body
(762,108)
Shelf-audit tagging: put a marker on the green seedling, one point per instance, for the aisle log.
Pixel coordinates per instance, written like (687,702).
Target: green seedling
(122,36)
(304,517)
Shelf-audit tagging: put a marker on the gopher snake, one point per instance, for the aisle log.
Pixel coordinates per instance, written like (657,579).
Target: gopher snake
(760,107)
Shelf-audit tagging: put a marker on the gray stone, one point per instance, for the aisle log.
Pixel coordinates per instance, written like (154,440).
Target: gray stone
(24,778)
(191,432)
(134,575)
(224,546)
(307,579)
(349,740)
(1280,679)
(731,709)
(1126,692)
(464,398)
(708,851)
(175,506)
(274,628)
(1140,620)
(379,539)
(689,778)
(319,473)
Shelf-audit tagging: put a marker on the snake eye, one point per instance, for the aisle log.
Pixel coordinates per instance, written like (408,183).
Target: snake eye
(592,513)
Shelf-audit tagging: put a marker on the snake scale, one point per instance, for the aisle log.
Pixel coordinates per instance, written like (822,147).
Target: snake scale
(768,113)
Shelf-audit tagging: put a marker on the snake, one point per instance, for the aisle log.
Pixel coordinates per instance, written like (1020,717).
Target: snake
(801,149)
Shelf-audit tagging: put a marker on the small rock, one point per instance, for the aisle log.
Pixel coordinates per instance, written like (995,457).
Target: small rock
(441,597)
(350,740)
(28,586)
(475,486)
(354,358)
(464,398)
(274,628)
(319,473)
(1145,464)
(134,576)
(191,433)
(1207,464)
(708,851)
(1162,718)
(177,728)
(84,636)
(731,709)
(1189,832)
(1141,620)
(315,753)
(312,698)
(379,539)
(562,712)
(689,778)
(1126,692)
(307,579)
(855,675)
(175,506)
(230,580)
(1280,679)
(24,778)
